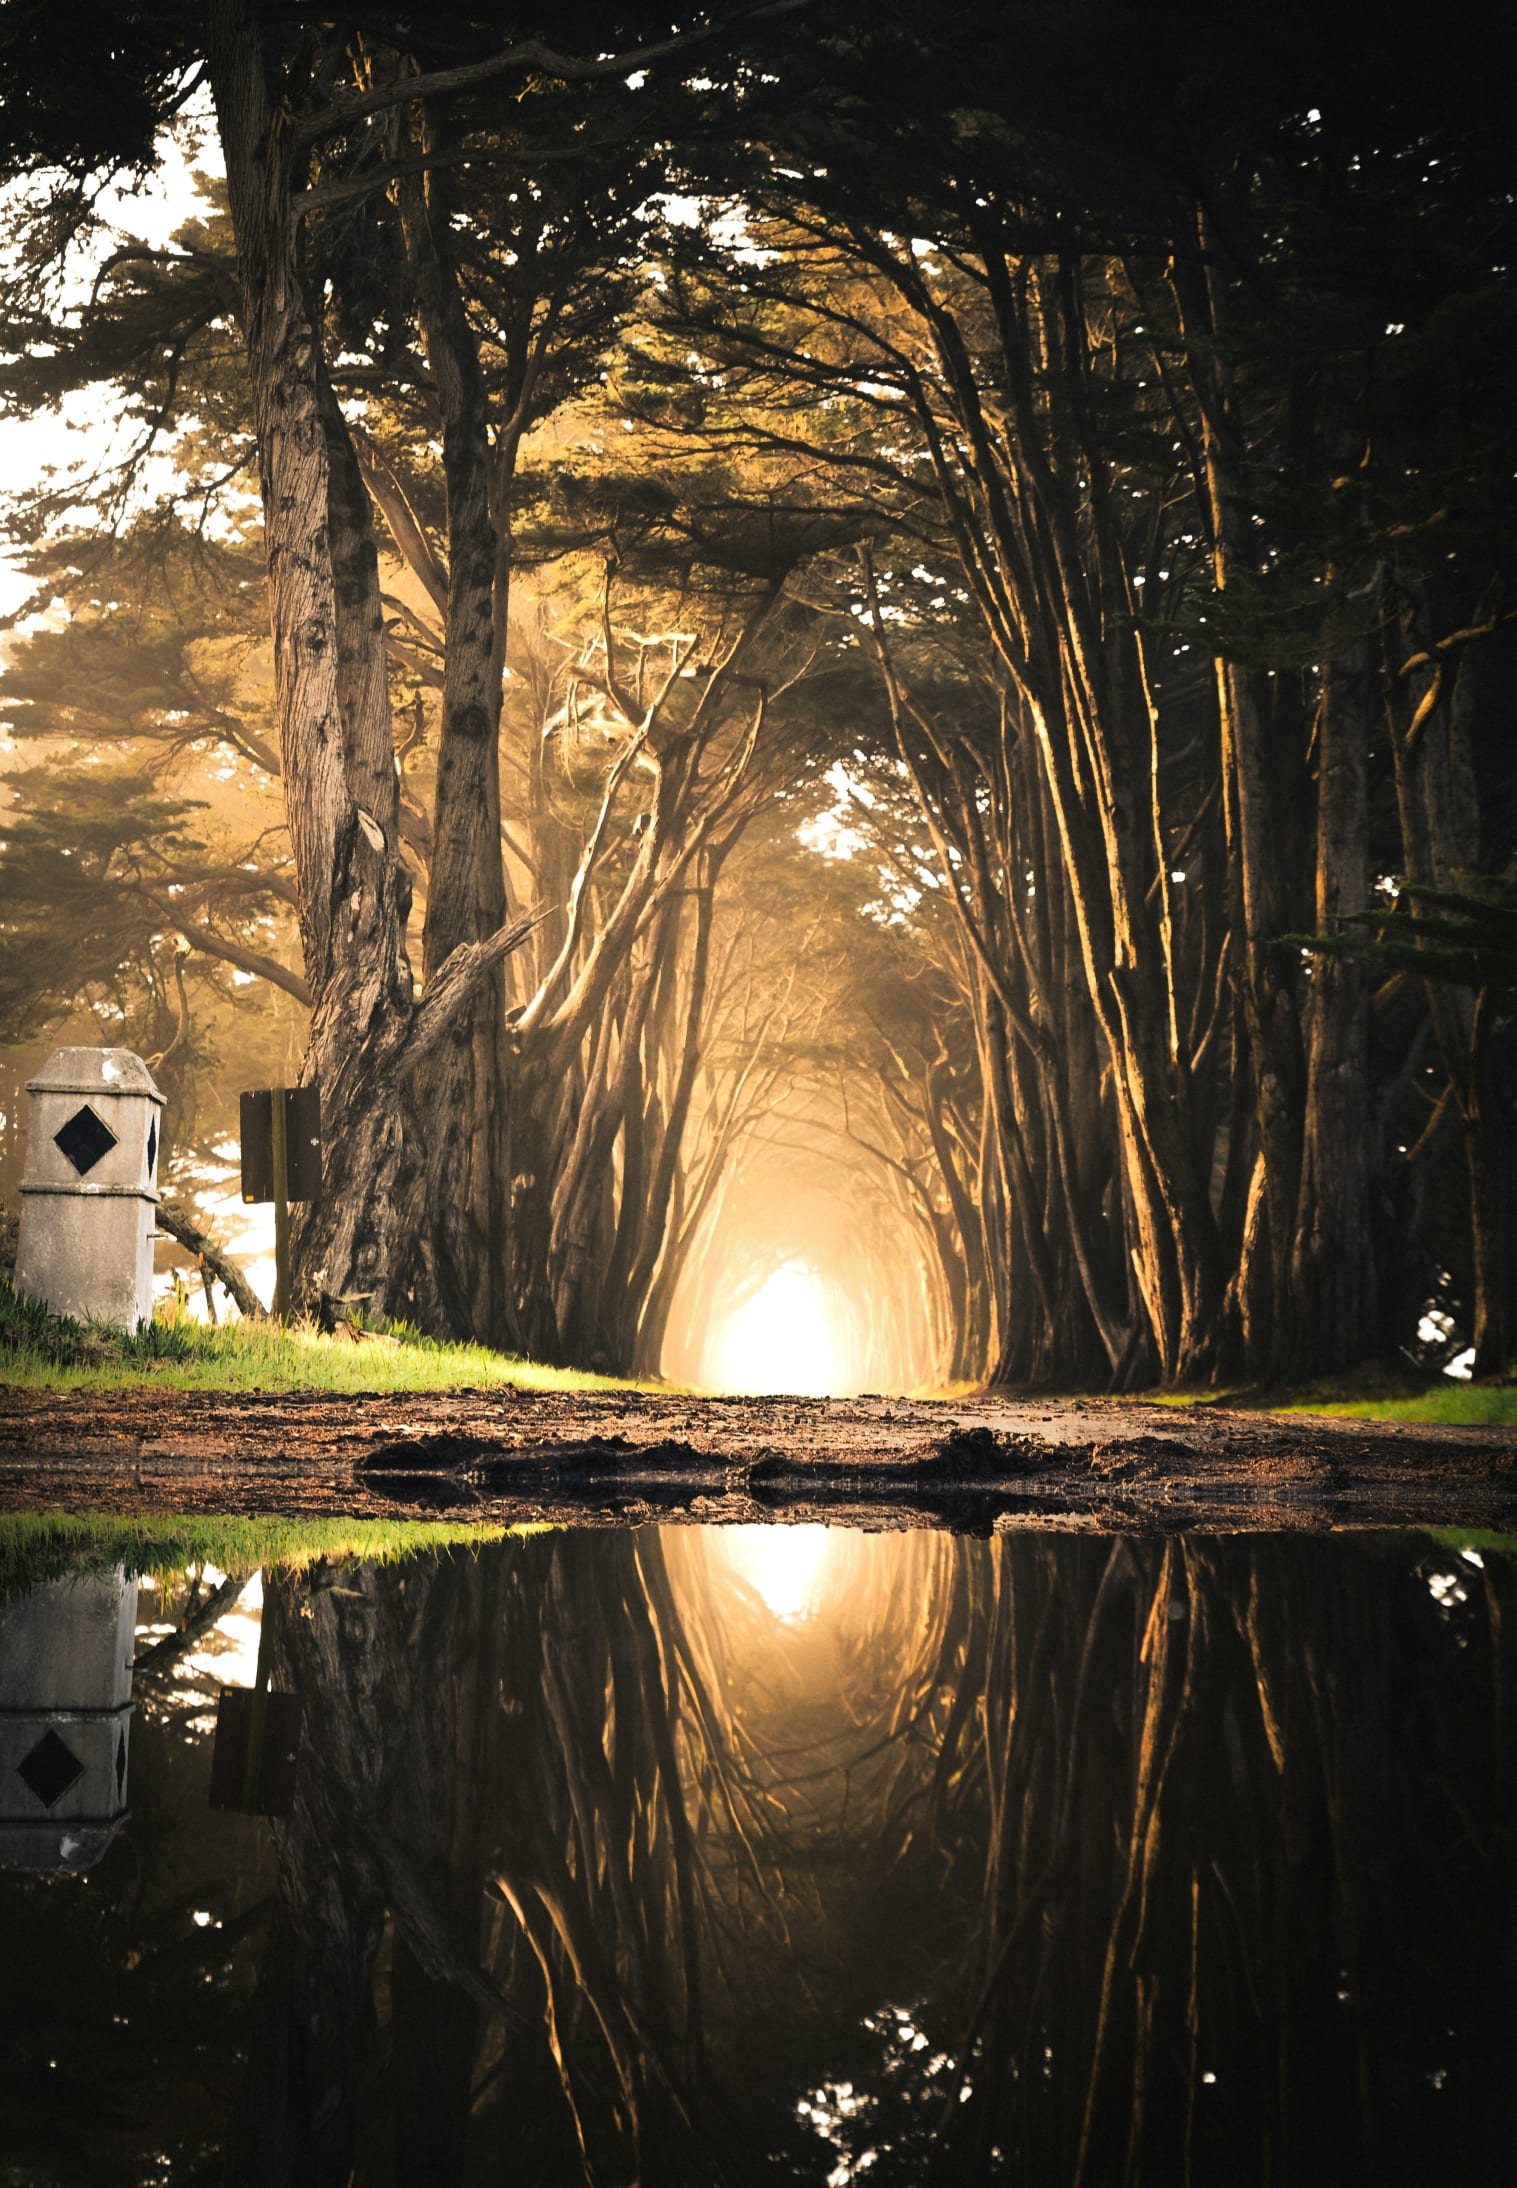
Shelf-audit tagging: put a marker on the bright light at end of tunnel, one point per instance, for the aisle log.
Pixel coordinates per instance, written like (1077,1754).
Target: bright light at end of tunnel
(783,1564)
(780,1340)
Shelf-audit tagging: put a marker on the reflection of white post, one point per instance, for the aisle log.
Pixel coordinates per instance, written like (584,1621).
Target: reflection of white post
(65,1714)
(89,1191)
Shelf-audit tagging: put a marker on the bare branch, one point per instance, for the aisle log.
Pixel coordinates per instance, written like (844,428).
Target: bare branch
(211,944)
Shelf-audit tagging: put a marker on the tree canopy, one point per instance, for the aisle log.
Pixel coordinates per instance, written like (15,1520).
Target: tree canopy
(1058,463)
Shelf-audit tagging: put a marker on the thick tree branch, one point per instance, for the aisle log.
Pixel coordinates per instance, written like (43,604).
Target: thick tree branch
(185,1232)
(164,1654)
(211,944)
(455,981)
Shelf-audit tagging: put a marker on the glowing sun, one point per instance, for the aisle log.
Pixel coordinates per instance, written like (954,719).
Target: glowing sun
(784,1565)
(781,1339)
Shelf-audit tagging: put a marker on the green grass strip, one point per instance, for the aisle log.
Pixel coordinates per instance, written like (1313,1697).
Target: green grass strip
(41,1546)
(1383,1398)
(1474,1538)
(1461,1405)
(42,1351)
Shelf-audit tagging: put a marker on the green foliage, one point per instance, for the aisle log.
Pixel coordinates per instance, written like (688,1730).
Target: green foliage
(34,1338)
(85,849)
(1475,1538)
(91,91)
(142,852)
(1465,936)
(153,633)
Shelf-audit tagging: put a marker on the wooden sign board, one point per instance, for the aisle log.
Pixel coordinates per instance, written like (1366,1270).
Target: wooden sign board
(302,1112)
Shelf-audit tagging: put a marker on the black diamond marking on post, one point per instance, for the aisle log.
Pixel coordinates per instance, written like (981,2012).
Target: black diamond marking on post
(152,1145)
(50,1769)
(120,1764)
(84,1139)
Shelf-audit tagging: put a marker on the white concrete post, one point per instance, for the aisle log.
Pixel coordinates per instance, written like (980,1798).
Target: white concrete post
(65,1719)
(90,1188)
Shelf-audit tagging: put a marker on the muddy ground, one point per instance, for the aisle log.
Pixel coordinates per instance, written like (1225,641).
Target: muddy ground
(612,1458)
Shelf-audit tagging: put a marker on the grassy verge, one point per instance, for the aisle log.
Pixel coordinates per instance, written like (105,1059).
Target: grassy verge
(1475,1404)
(42,1351)
(1474,1538)
(1375,1396)
(40,1546)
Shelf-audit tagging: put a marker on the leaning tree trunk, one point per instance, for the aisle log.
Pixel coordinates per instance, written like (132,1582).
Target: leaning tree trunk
(660,1209)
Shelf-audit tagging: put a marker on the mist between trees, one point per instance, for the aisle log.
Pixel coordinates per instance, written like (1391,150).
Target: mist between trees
(911,614)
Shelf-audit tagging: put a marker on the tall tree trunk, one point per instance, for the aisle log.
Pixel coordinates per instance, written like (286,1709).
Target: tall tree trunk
(1334,1300)
(352,887)
(1254,841)
(1488,1163)
(1440,841)
(462,1098)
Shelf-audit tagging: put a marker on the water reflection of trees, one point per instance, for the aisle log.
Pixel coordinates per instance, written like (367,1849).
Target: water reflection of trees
(126,1989)
(1238,1816)
(1174,1861)
(490,1878)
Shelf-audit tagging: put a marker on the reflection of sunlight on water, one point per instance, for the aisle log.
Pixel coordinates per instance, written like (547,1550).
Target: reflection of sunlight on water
(852,2122)
(781,1340)
(784,1564)
(229,1652)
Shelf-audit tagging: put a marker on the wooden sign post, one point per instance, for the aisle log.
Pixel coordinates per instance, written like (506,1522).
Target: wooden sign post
(279,1149)
(281,1162)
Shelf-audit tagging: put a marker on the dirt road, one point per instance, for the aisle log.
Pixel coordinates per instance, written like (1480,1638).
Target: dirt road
(608,1458)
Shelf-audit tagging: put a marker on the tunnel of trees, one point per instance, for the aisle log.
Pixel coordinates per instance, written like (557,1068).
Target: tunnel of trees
(815,636)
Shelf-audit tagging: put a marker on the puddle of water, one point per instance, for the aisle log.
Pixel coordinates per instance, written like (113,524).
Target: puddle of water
(750,1855)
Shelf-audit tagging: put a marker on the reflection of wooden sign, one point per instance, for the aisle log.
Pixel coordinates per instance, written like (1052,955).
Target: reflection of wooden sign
(257,1744)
